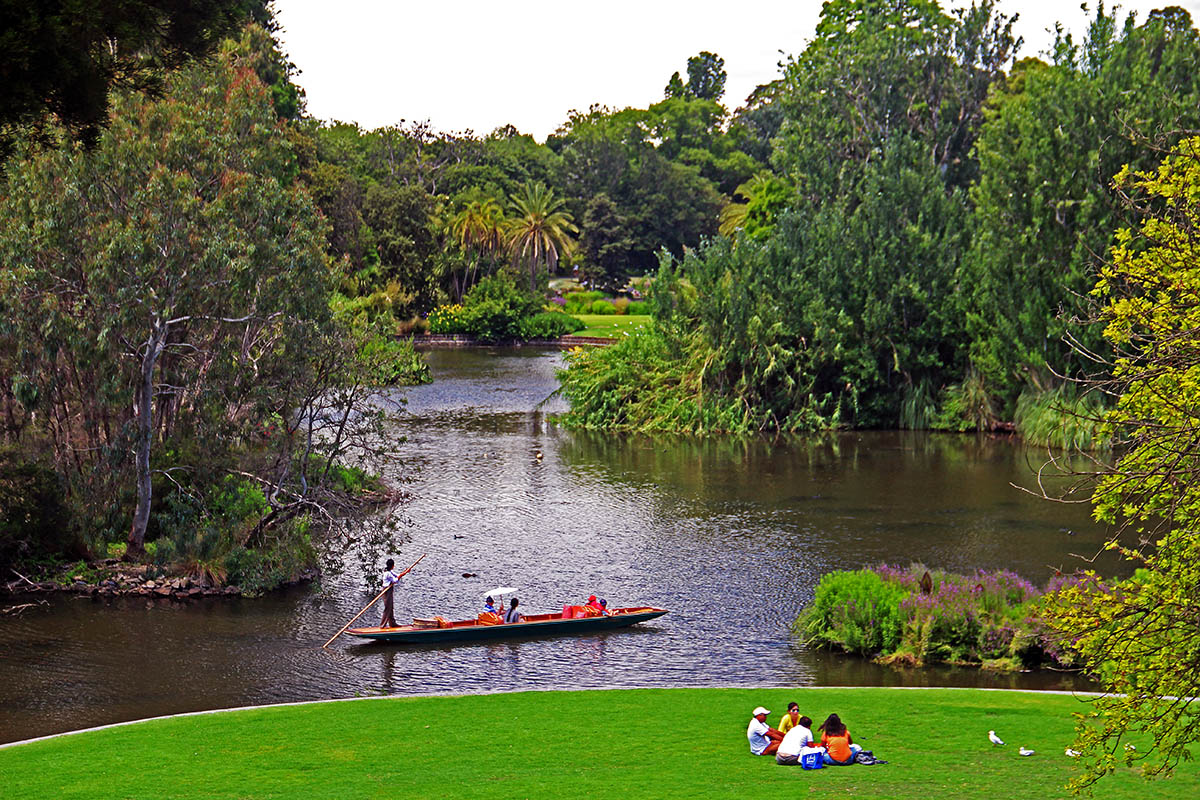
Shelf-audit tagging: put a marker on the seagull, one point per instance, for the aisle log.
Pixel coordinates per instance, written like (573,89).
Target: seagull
(994,739)
(1025,751)
(1072,753)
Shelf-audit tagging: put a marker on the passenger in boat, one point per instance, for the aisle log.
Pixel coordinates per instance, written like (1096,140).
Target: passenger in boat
(604,607)
(790,719)
(764,740)
(840,749)
(593,607)
(798,737)
(489,606)
(512,615)
(390,578)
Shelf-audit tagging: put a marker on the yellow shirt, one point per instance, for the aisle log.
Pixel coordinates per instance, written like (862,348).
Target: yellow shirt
(786,723)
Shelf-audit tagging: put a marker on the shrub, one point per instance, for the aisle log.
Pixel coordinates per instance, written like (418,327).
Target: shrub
(580,302)
(638,307)
(447,319)
(621,304)
(550,325)
(34,522)
(855,611)
(603,307)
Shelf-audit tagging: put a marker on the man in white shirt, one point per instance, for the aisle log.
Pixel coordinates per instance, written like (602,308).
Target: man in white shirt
(390,579)
(794,742)
(764,740)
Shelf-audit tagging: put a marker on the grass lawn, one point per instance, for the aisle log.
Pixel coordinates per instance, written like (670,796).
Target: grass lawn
(610,326)
(622,744)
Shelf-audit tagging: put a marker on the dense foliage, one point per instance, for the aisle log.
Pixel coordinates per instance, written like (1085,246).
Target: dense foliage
(990,619)
(167,336)
(1142,635)
(916,253)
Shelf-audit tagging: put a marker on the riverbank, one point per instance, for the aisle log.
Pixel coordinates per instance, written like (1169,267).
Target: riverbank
(112,577)
(641,743)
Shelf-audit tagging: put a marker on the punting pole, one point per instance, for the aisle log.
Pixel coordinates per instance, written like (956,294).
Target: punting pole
(368,606)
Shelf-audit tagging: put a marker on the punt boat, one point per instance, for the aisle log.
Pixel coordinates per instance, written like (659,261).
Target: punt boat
(560,624)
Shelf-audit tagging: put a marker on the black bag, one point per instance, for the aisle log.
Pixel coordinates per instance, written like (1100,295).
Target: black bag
(867,758)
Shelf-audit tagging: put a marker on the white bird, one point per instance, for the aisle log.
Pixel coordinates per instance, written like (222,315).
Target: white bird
(1025,751)
(1130,747)
(994,739)
(1072,753)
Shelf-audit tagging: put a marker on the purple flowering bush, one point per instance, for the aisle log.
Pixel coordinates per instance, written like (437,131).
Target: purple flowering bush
(914,616)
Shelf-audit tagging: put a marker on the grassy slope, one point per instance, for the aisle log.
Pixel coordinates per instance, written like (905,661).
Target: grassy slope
(659,743)
(610,325)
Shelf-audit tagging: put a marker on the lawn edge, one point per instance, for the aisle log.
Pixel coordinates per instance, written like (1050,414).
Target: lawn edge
(421,695)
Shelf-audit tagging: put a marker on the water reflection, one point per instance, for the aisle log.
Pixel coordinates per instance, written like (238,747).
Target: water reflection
(730,534)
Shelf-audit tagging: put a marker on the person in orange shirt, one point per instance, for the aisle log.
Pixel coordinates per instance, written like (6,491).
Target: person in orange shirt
(840,749)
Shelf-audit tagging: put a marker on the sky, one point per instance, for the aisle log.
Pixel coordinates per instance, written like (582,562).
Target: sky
(474,65)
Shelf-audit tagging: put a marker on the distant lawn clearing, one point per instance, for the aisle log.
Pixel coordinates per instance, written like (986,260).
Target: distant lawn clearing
(610,325)
(620,744)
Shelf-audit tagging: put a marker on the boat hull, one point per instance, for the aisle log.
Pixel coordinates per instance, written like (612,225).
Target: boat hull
(542,625)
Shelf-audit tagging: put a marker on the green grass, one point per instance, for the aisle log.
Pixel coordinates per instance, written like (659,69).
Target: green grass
(610,326)
(624,744)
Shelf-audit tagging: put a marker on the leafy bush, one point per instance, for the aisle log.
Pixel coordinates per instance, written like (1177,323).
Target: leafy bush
(603,307)
(447,320)
(34,522)
(580,302)
(855,611)
(621,304)
(989,619)
(550,325)
(638,307)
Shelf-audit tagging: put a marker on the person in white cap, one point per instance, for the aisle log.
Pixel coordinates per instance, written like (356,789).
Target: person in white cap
(764,740)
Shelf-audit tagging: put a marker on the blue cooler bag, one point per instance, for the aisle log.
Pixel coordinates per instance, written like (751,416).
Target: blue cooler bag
(814,759)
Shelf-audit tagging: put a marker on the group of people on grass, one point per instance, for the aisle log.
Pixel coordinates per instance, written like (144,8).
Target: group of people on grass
(794,738)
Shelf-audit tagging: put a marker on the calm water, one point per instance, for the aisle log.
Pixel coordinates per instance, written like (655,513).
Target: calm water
(732,536)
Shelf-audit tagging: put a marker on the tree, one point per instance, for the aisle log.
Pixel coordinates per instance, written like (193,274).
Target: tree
(706,76)
(1052,138)
(605,244)
(63,57)
(1141,635)
(479,228)
(401,219)
(539,232)
(166,288)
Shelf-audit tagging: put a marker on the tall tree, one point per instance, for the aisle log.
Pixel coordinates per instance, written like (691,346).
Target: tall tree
(540,230)
(1141,635)
(167,284)
(479,228)
(62,57)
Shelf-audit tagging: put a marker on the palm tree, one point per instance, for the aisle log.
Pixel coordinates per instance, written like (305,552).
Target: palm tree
(479,230)
(540,230)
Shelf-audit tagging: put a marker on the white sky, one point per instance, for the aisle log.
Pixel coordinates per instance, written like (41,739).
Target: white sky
(469,64)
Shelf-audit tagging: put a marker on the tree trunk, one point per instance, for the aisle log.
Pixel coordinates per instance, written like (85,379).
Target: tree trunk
(136,546)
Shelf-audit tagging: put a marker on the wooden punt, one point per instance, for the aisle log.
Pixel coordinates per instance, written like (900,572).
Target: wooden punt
(533,625)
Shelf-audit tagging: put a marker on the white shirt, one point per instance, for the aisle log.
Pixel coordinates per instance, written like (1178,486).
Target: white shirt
(390,578)
(757,734)
(795,740)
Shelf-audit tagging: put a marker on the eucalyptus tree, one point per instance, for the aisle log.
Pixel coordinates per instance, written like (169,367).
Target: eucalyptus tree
(164,295)
(540,230)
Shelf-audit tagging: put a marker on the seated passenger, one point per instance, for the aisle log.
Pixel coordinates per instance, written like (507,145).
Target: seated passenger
(489,606)
(764,740)
(512,615)
(840,749)
(593,607)
(604,607)
(798,737)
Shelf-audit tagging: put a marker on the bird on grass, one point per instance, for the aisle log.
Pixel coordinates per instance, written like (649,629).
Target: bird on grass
(1072,753)
(1025,751)
(994,739)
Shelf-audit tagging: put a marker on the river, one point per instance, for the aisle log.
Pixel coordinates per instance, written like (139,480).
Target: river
(730,535)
